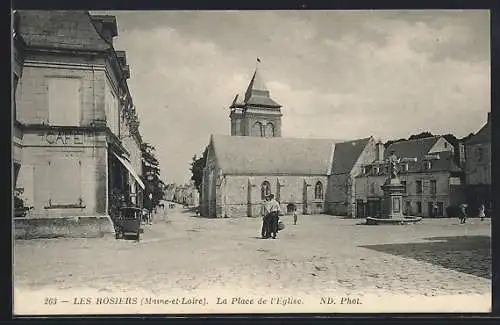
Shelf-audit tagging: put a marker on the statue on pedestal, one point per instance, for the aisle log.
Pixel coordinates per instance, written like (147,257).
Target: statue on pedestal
(393,165)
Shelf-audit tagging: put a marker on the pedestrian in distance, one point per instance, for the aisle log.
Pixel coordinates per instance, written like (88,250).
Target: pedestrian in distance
(291,208)
(481,213)
(463,214)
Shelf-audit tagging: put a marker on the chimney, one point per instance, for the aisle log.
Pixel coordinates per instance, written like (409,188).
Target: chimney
(380,150)
(461,154)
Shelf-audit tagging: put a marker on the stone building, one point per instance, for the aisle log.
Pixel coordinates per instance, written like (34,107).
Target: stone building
(76,136)
(255,161)
(478,167)
(187,194)
(348,159)
(432,179)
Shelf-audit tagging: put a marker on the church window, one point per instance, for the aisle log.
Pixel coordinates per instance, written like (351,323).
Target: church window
(269,130)
(265,189)
(257,129)
(318,191)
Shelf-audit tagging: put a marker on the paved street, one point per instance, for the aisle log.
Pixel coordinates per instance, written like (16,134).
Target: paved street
(321,254)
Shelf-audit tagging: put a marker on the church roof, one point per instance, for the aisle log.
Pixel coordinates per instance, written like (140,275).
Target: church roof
(272,156)
(64,29)
(346,154)
(415,148)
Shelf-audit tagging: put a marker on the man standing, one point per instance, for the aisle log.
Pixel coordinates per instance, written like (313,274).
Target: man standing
(264,211)
(274,210)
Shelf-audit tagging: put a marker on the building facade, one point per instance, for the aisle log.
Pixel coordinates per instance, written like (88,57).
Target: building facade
(241,171)
(433,181)
(478,168)
(72,110)
(348,159)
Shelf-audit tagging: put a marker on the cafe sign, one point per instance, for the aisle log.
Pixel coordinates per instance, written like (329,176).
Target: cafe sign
(63,137)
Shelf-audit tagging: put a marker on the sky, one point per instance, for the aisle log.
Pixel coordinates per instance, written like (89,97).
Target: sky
(338,74)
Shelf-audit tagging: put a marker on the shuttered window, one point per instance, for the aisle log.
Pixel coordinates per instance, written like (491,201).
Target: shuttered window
(64,101)
(65,182)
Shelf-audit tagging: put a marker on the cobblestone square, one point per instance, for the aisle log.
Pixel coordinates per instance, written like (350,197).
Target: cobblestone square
(321,255)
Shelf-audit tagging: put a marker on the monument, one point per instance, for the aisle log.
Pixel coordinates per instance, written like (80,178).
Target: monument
(392,204)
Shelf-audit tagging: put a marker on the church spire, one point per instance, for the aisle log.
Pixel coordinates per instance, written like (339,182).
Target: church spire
(257,86)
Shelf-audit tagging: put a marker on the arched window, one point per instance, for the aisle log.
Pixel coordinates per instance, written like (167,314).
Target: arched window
(269,130)
(265,189)
(318,191)
(257,129)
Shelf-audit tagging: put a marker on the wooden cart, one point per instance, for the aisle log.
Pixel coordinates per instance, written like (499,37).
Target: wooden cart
(128,223)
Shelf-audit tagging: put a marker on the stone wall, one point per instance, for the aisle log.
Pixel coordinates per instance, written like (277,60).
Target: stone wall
(240,196)
(478,163)
(32,94)
(84,155)
(67,227)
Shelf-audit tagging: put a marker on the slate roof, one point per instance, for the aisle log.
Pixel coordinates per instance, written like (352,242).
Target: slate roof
(256,94)
(482,136)
(346,154)
(272,156)
(416,148)
(63,29)
(445,163)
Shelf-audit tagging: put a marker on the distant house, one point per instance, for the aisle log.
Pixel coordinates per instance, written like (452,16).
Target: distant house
(348,157)
(478,167)
(433,181)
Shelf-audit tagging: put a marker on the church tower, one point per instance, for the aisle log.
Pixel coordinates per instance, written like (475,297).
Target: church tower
(255,114)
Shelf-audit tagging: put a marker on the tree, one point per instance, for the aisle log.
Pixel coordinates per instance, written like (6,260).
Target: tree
(420,135)
(151,176)
(197,166)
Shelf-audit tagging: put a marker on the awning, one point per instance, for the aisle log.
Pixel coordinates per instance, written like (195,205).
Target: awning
(131,170)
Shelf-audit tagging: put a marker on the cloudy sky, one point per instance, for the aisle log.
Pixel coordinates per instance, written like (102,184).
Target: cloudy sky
(338,74)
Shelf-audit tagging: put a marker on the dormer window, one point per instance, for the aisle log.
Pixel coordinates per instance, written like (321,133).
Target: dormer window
(405,167)
(428,165)
(377,170)
(363,170)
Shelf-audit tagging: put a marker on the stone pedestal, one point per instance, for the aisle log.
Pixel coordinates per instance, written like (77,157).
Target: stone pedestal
(392,206)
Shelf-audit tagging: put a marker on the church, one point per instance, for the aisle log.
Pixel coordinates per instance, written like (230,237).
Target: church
(316,175)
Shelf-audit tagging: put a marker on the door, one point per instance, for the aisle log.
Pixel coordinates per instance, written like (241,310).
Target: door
(430,209)
(408,211)
(360,209)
